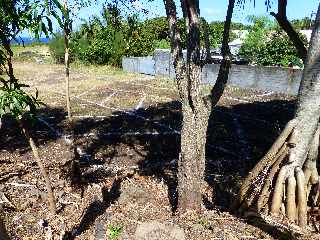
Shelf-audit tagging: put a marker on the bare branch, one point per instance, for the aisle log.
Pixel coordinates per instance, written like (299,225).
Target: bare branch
(218,88)
(284,23)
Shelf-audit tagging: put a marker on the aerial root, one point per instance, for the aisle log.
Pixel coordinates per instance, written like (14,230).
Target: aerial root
(279,185)
(291,206)
(301,197)
(264,196)
(278,191)
(269,160)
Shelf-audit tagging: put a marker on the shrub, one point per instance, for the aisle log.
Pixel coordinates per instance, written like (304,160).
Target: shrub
(56,47)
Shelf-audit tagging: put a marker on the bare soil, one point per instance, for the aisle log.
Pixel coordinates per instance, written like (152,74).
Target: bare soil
(126,127)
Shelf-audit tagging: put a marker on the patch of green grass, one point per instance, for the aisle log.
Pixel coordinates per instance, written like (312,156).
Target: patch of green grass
(114,231)
(204,222)
(97,69)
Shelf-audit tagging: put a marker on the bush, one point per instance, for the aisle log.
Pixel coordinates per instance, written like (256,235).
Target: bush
(56,47)
(107,47)
(273,49)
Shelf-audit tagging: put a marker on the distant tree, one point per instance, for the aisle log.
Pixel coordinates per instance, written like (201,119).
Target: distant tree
(278,50)
(255,41)
(302,24)
(216,32)
(64,14)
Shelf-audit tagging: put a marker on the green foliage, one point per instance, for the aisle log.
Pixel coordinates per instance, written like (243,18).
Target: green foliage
(114,232)
(279,50)
(56,47)
(216,32)
(253,45)
(15,101)
(267,45)
(16,16)
(304,23)
(162,44)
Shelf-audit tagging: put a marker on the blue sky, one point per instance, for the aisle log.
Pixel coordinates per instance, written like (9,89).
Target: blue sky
(212,10)
(216,9)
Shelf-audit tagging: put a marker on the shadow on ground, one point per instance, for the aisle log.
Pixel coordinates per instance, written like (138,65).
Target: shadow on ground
(238,136)
(12,138)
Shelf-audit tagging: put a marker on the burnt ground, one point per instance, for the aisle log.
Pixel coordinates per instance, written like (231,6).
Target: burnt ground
(127,128)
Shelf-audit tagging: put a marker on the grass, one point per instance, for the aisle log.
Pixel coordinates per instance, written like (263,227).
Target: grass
(29,53)
(114,231)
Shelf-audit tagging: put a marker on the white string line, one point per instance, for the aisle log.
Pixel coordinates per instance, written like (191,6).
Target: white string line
(108,98)
(56,131)
(236,99)
(135,92)
(86,92)
(130,113)
(140,104)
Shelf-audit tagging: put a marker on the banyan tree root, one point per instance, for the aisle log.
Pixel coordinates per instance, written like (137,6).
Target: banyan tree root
(279,186)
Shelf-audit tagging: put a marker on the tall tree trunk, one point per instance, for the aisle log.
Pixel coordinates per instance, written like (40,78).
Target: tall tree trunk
(195,108)
(51,199)
(288,171)
(195,119)
(67,31)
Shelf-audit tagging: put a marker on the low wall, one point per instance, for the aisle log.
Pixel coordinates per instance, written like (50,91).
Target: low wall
(145,65)
(276,79)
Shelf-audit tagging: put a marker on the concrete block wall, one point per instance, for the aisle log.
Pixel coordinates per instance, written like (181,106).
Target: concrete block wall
(276,79)
(145,65)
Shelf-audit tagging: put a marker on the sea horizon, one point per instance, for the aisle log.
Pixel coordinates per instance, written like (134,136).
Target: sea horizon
(29,40)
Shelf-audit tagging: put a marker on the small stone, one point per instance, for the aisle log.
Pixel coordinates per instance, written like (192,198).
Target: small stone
(155,230)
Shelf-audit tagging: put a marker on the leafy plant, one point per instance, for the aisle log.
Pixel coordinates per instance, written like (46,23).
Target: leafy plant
(15,101)
(114,231)
(267,45)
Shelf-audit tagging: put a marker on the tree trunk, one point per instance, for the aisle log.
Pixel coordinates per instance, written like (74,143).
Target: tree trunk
(51,199)
(195,119)
(207,47)
(219,86)
(9,55)
(195,108)
(288,171)
(66,57)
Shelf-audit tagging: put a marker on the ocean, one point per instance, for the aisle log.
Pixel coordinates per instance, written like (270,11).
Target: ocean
(27,40)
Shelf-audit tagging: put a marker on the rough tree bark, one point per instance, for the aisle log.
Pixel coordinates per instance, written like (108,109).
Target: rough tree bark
(67,31)
(284,23)
(283,178)
(195,107)
(205,27)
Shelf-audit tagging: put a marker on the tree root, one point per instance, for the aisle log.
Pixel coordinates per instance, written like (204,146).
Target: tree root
(266,161)
(282,187)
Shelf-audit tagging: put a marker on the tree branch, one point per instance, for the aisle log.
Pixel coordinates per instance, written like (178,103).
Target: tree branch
(219,86)
(284,23)
(176,49)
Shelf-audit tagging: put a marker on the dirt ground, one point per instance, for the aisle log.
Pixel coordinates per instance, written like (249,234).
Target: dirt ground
(126,128)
